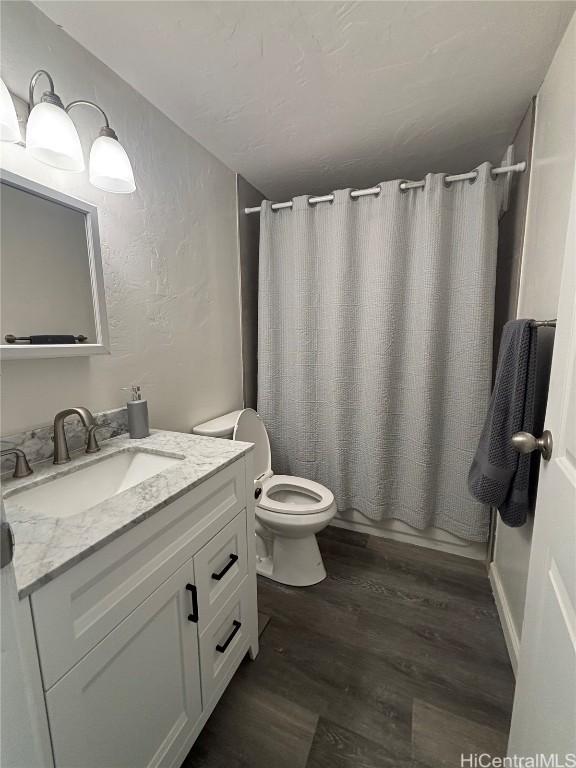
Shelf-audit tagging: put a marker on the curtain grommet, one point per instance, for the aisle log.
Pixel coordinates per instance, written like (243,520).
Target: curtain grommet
(475,179)
(447,184)
(401,186)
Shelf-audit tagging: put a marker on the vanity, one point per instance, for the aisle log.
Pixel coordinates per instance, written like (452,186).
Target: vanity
(137,569)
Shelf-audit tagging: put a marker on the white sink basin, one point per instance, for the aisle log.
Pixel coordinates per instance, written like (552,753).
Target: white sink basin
(78,491)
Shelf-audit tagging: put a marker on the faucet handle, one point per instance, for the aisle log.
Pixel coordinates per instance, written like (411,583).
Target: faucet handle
(21,467)
(92,443)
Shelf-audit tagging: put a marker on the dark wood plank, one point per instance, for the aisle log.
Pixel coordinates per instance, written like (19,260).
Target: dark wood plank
(354,538)
(259,727)
(263,619)
(331,680)
(440,738)
(338,747)
(417,570)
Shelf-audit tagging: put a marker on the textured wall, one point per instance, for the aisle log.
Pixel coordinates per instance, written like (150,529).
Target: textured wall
(169,251)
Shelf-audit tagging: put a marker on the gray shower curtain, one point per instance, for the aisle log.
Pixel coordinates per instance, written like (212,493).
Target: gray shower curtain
(375,344)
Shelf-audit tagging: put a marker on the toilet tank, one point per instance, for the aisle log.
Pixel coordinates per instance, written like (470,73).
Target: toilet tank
(221,426)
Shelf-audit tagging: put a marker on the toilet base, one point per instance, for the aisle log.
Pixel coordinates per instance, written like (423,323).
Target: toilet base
(295,562)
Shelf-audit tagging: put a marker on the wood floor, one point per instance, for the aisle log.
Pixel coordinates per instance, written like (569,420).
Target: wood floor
(396,659)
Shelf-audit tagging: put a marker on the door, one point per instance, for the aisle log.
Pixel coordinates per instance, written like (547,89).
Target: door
(25,739)
(544,715)
(134,699)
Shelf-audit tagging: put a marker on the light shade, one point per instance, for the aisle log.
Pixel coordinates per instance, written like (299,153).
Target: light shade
(110,167)
(51,137)
(9,128)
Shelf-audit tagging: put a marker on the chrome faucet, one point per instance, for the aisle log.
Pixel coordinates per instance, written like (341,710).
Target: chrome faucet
(21,468)
(61,453)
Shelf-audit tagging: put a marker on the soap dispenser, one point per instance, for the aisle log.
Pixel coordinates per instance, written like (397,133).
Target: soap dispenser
(137,413)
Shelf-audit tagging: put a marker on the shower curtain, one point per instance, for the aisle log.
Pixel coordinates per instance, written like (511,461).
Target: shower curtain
(375,343)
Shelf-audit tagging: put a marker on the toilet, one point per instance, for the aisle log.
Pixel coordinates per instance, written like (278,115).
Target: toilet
(290,511)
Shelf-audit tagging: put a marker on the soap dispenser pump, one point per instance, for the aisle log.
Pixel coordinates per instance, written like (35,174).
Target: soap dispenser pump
(137,413)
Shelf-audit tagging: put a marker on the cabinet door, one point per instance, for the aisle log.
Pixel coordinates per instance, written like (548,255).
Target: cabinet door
(133,700)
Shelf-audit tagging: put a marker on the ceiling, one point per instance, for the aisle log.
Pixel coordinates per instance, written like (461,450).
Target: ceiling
(306,97)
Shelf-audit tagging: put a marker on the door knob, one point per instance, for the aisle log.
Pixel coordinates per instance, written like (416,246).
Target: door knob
(524,442)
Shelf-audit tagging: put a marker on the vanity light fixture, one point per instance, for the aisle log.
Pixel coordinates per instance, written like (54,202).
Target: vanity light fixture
(9,128)
(109,167)
(51,136)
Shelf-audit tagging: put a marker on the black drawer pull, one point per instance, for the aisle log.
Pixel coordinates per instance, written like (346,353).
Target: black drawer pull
(194,615)
(226,568)
(231,636)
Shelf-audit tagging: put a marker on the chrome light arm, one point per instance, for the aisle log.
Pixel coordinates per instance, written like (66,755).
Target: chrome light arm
(105,130)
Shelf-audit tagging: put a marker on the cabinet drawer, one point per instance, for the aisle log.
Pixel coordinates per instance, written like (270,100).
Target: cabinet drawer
(220,567)
(79,608)
(224,642)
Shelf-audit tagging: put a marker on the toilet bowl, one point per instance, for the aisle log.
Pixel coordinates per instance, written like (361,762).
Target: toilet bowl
(290,511)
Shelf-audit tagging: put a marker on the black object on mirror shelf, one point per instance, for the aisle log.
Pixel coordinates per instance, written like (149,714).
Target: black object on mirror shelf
(46,339)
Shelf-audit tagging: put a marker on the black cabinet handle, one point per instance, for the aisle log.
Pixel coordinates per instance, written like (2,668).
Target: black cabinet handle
(194,615)
(226,568)
(231,636)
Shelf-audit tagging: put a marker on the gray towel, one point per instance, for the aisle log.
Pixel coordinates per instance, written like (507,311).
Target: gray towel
(499,475)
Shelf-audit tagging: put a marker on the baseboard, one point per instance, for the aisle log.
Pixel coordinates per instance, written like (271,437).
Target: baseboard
(432,538)
(508,628)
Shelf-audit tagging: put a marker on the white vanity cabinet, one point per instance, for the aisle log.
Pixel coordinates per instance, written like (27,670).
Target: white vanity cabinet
(138,641)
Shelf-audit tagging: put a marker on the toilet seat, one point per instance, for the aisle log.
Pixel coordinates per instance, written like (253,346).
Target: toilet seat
(315,497)
(302,496)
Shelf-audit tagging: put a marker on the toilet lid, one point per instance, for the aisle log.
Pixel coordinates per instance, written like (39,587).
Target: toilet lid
(250,429)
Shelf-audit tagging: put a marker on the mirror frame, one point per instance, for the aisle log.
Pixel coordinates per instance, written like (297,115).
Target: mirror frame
(102,344)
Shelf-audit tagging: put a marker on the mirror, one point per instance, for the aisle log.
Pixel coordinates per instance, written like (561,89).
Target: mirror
(51,287)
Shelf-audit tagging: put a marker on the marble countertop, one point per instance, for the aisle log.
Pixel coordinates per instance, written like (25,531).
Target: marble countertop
(47,546)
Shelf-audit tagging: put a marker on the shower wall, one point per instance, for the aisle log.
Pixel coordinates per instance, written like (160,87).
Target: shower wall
(248,242)
(511,232)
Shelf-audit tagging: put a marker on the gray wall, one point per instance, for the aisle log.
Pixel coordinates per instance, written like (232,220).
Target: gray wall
(248,245)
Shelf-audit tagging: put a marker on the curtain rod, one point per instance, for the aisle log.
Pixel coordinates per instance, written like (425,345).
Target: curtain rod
(517,168)
(543,323)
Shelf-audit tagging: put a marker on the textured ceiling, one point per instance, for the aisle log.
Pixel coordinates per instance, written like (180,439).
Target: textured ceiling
(306,97)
